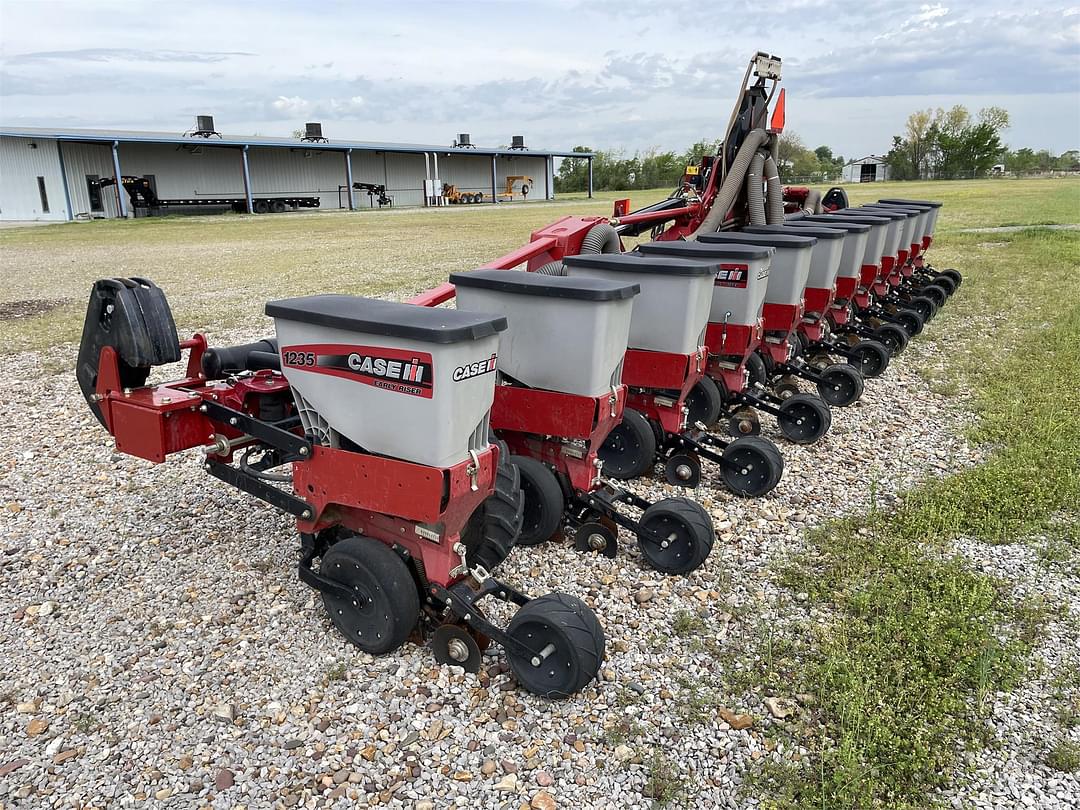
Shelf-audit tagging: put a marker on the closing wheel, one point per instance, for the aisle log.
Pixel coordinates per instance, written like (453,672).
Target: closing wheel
(385,606)
(892,337)
(756,466)
(704,403)
(566,643)
(939,295)
(954,275)
(804,418)
(630,447)
(945,282)
(685,533)
(841,385)
(493,528)
(683,470)
(870,358)
(910,321)
(454,646)
(924,306)
(596,538)
(744,422)
(543,501)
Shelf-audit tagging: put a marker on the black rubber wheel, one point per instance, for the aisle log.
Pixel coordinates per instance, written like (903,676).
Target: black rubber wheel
(386,606)
(804,418)
(945,282)
(704,403)
(755,365)
(630,448)
(892,337)
(870,358)
(801,344)
(683,470)
(939,295)
(493,529)
(543,501)
(261,207)
(841,385)
(924,306)
(687,531)
(278,207)
(910,321)
(758,466)
(567,630)
(954,275)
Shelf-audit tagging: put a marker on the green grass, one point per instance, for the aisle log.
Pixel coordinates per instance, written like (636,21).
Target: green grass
(1065,757)
(919,639)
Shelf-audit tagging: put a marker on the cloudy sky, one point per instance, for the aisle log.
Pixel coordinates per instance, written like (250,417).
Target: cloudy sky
(626,74)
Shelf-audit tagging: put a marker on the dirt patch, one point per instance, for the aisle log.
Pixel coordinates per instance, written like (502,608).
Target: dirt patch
(13,310)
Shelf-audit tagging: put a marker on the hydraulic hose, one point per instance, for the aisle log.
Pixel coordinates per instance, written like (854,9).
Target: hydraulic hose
(812,203)
(600,238)
(733,181)
(755,192)
(775,194)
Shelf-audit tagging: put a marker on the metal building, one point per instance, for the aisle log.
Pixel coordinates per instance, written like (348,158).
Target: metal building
(869,169)
(54,174)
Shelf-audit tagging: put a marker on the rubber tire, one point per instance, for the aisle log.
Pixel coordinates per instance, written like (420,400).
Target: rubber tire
(894,338)
(493,529)
(910,321)
(954,275)
(260,207)
(945,282)
(879,358)
(755,365)
(387,577)
(693,521)
(634,429)
(578,631)
(853,379)
(278,207)
(768,456)
(704,403)
(805,401)
(936,293)
(543,501)
(924,306)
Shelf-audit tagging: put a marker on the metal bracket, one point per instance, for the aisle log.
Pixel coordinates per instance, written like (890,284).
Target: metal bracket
(290,443)
(285,501)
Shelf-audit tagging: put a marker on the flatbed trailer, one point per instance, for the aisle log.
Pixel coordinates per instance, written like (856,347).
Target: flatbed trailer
(260,205)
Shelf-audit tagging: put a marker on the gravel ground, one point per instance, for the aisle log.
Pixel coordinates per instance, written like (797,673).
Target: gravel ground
(158,648)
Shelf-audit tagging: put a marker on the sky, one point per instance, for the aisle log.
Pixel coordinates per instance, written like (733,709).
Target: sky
(625,75)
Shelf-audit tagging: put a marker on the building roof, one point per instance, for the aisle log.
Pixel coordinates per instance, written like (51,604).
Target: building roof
(135,136)
(867,159)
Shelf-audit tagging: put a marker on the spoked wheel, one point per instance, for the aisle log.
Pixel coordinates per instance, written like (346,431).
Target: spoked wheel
(565,643)
(924,306)
(945,282)
(454,645)
(683,470)
(685,535)
(544,501)
(939,295)
(744,422)
(385,605)
(954,275)
(755,366)
(704,403)
(892,337)
(910,321)
(841,385)
(630,447)
(493,528)
(804,419)
(755,469)
(870,358)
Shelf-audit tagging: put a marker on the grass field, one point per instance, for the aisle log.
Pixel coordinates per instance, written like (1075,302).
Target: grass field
(913,636)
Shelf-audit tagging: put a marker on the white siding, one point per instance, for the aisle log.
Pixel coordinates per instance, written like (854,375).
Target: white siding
(20,168)
(534,166)
(82,159)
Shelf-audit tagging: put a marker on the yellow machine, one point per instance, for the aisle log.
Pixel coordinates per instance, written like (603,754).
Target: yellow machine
(513,180)
(454,197)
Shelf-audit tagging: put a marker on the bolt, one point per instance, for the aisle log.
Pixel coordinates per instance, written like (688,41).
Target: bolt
(597,542)
(684,472)
(232,420)
(458,650)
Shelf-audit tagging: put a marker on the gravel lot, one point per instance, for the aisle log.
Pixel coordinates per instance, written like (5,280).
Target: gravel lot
(158,648)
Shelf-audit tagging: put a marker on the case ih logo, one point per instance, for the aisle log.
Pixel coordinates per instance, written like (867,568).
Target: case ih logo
(401,371)
(732,275)
(470,370)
